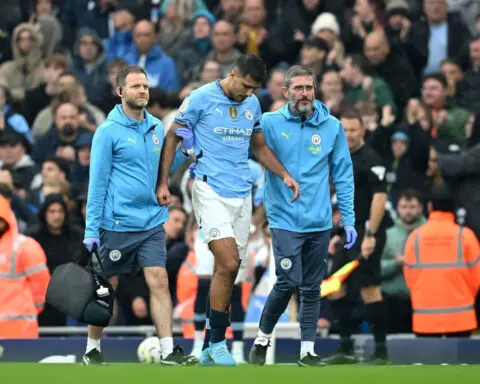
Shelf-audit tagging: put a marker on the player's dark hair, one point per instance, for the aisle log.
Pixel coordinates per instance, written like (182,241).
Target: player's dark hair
(172,208)
(352,114)
(409,194)
(297,70)
(251,65)
(125,71)
(441,198)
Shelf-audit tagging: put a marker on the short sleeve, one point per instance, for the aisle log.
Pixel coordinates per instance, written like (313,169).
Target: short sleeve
(190,110)
(257,127)
(376,176)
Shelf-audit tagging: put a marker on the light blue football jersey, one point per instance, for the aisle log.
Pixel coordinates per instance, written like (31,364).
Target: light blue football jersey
(221,130)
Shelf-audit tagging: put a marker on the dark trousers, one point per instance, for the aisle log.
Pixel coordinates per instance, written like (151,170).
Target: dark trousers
(399,313)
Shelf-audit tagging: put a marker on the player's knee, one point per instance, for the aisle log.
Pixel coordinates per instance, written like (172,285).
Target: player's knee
(157,279)
(229,266)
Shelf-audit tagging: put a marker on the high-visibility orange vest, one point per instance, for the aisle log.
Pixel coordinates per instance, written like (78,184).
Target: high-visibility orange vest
(442,272)
(24,278)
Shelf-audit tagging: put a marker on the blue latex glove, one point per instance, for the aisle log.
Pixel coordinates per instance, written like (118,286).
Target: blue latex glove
(350,236)
(89,242)
(191,170)
(187,137)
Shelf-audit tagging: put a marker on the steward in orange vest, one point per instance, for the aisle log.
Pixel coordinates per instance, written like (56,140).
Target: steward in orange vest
(442,271)
(24,278)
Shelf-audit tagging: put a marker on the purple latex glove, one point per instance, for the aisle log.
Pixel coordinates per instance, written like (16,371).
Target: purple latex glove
(350,236)
(89,242)
(187,137)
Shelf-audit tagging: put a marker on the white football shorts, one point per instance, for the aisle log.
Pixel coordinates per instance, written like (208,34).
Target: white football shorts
(218,218)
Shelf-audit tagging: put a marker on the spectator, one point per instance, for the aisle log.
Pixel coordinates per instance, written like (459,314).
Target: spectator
(50,33)
(437,36)
(364,21)
(326,27)
(394,289)
(24,72)
(53,169)
(196,48)
(274,91)
(11,122)
(332,94)
(313,54)
(450,121)
(230,10)
(14,157)
(121,43)
(89,115)
(173,32)
(361,86)
(398,25)
(60,139)
(388,64)
(79,171)
(89,65)
(453,73)
(163,106)
(223,51)
(252,32)
(160,68)
(44,7)
(111,98)
(210,71)
(38,98)
(468,89)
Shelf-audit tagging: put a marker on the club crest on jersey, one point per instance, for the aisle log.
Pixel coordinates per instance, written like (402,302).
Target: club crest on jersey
(233,112)
(155,139)
(316,139)
(286,263)
(115,255)
(213,233)
(249,114)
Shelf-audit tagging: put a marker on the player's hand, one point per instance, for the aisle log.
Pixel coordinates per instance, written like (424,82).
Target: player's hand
(187,137)
(350,236)
(293,185)
(368,245)
(90,242)
(163,195)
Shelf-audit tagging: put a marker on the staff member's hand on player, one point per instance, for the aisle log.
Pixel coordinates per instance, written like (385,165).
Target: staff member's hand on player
(368,246)
(187,137)
(293,185)
(90,242)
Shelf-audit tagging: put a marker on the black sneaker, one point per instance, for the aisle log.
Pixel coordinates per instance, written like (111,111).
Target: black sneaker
(311,361)
(341,359)
(177,357)
(93,357)
(258,352)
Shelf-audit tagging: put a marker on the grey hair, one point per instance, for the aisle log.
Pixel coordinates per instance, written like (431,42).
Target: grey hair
(297,70)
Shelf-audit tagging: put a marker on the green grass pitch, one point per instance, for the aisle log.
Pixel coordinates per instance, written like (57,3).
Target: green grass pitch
(137,373)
